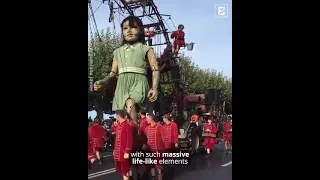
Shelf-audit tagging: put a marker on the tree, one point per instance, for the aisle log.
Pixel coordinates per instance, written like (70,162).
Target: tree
(100,49)
(199,80)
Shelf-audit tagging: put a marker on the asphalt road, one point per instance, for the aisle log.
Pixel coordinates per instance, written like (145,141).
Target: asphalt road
(218,166)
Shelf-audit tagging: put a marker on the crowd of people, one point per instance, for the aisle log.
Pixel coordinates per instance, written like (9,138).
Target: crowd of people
(146,135)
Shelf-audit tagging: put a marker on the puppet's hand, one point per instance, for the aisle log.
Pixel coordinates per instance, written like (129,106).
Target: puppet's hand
(153,95)
(101,83)
(97,85)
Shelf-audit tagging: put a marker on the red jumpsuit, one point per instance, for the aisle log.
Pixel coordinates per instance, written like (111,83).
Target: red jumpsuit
(142,136)
(210,141)
(97,136)
(91,155)
(227,135)
(156,140)
(122,145)
(134,127)
(143,125)
(171,139)
(178,39)
(113,128)
(89,132)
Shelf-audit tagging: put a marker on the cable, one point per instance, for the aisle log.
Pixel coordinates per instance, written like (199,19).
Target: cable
(94,21)
(172,23)
(97,7)
(90,28)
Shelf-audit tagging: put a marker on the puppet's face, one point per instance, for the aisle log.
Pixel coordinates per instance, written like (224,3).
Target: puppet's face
(131,34)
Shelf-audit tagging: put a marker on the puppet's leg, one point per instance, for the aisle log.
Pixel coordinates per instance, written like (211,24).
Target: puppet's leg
(131,109)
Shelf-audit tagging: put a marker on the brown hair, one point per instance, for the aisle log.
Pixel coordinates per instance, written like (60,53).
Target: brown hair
(181,26)
(152,117)
(121,113)
(128,115)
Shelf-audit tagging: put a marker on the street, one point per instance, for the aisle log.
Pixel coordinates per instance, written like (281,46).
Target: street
(218,166)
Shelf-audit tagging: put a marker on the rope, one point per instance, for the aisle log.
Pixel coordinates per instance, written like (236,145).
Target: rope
(172,23)
(97,8)
(94,21)
(90,28)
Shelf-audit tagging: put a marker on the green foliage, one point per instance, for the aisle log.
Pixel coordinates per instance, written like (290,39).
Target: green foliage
(100,49)
(200,80)
(102,52)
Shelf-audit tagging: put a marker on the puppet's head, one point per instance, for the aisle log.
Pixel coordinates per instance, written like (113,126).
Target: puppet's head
(132,30)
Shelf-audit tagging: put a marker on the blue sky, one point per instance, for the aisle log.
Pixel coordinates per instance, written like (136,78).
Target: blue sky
(212,36)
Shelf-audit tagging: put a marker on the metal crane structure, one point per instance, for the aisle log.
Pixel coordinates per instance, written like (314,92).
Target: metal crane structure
(158,24)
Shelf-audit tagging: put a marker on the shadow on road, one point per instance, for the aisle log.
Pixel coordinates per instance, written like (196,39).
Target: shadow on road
(198,162)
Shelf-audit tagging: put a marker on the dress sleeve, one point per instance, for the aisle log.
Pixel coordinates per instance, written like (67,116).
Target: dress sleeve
(115,54)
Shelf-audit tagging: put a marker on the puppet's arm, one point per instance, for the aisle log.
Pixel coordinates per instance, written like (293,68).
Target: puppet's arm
(154,67)
(112,74)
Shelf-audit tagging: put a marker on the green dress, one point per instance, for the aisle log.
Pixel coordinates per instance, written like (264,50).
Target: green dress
(132,80)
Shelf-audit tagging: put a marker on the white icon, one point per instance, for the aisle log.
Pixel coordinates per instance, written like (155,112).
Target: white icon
(221,10)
